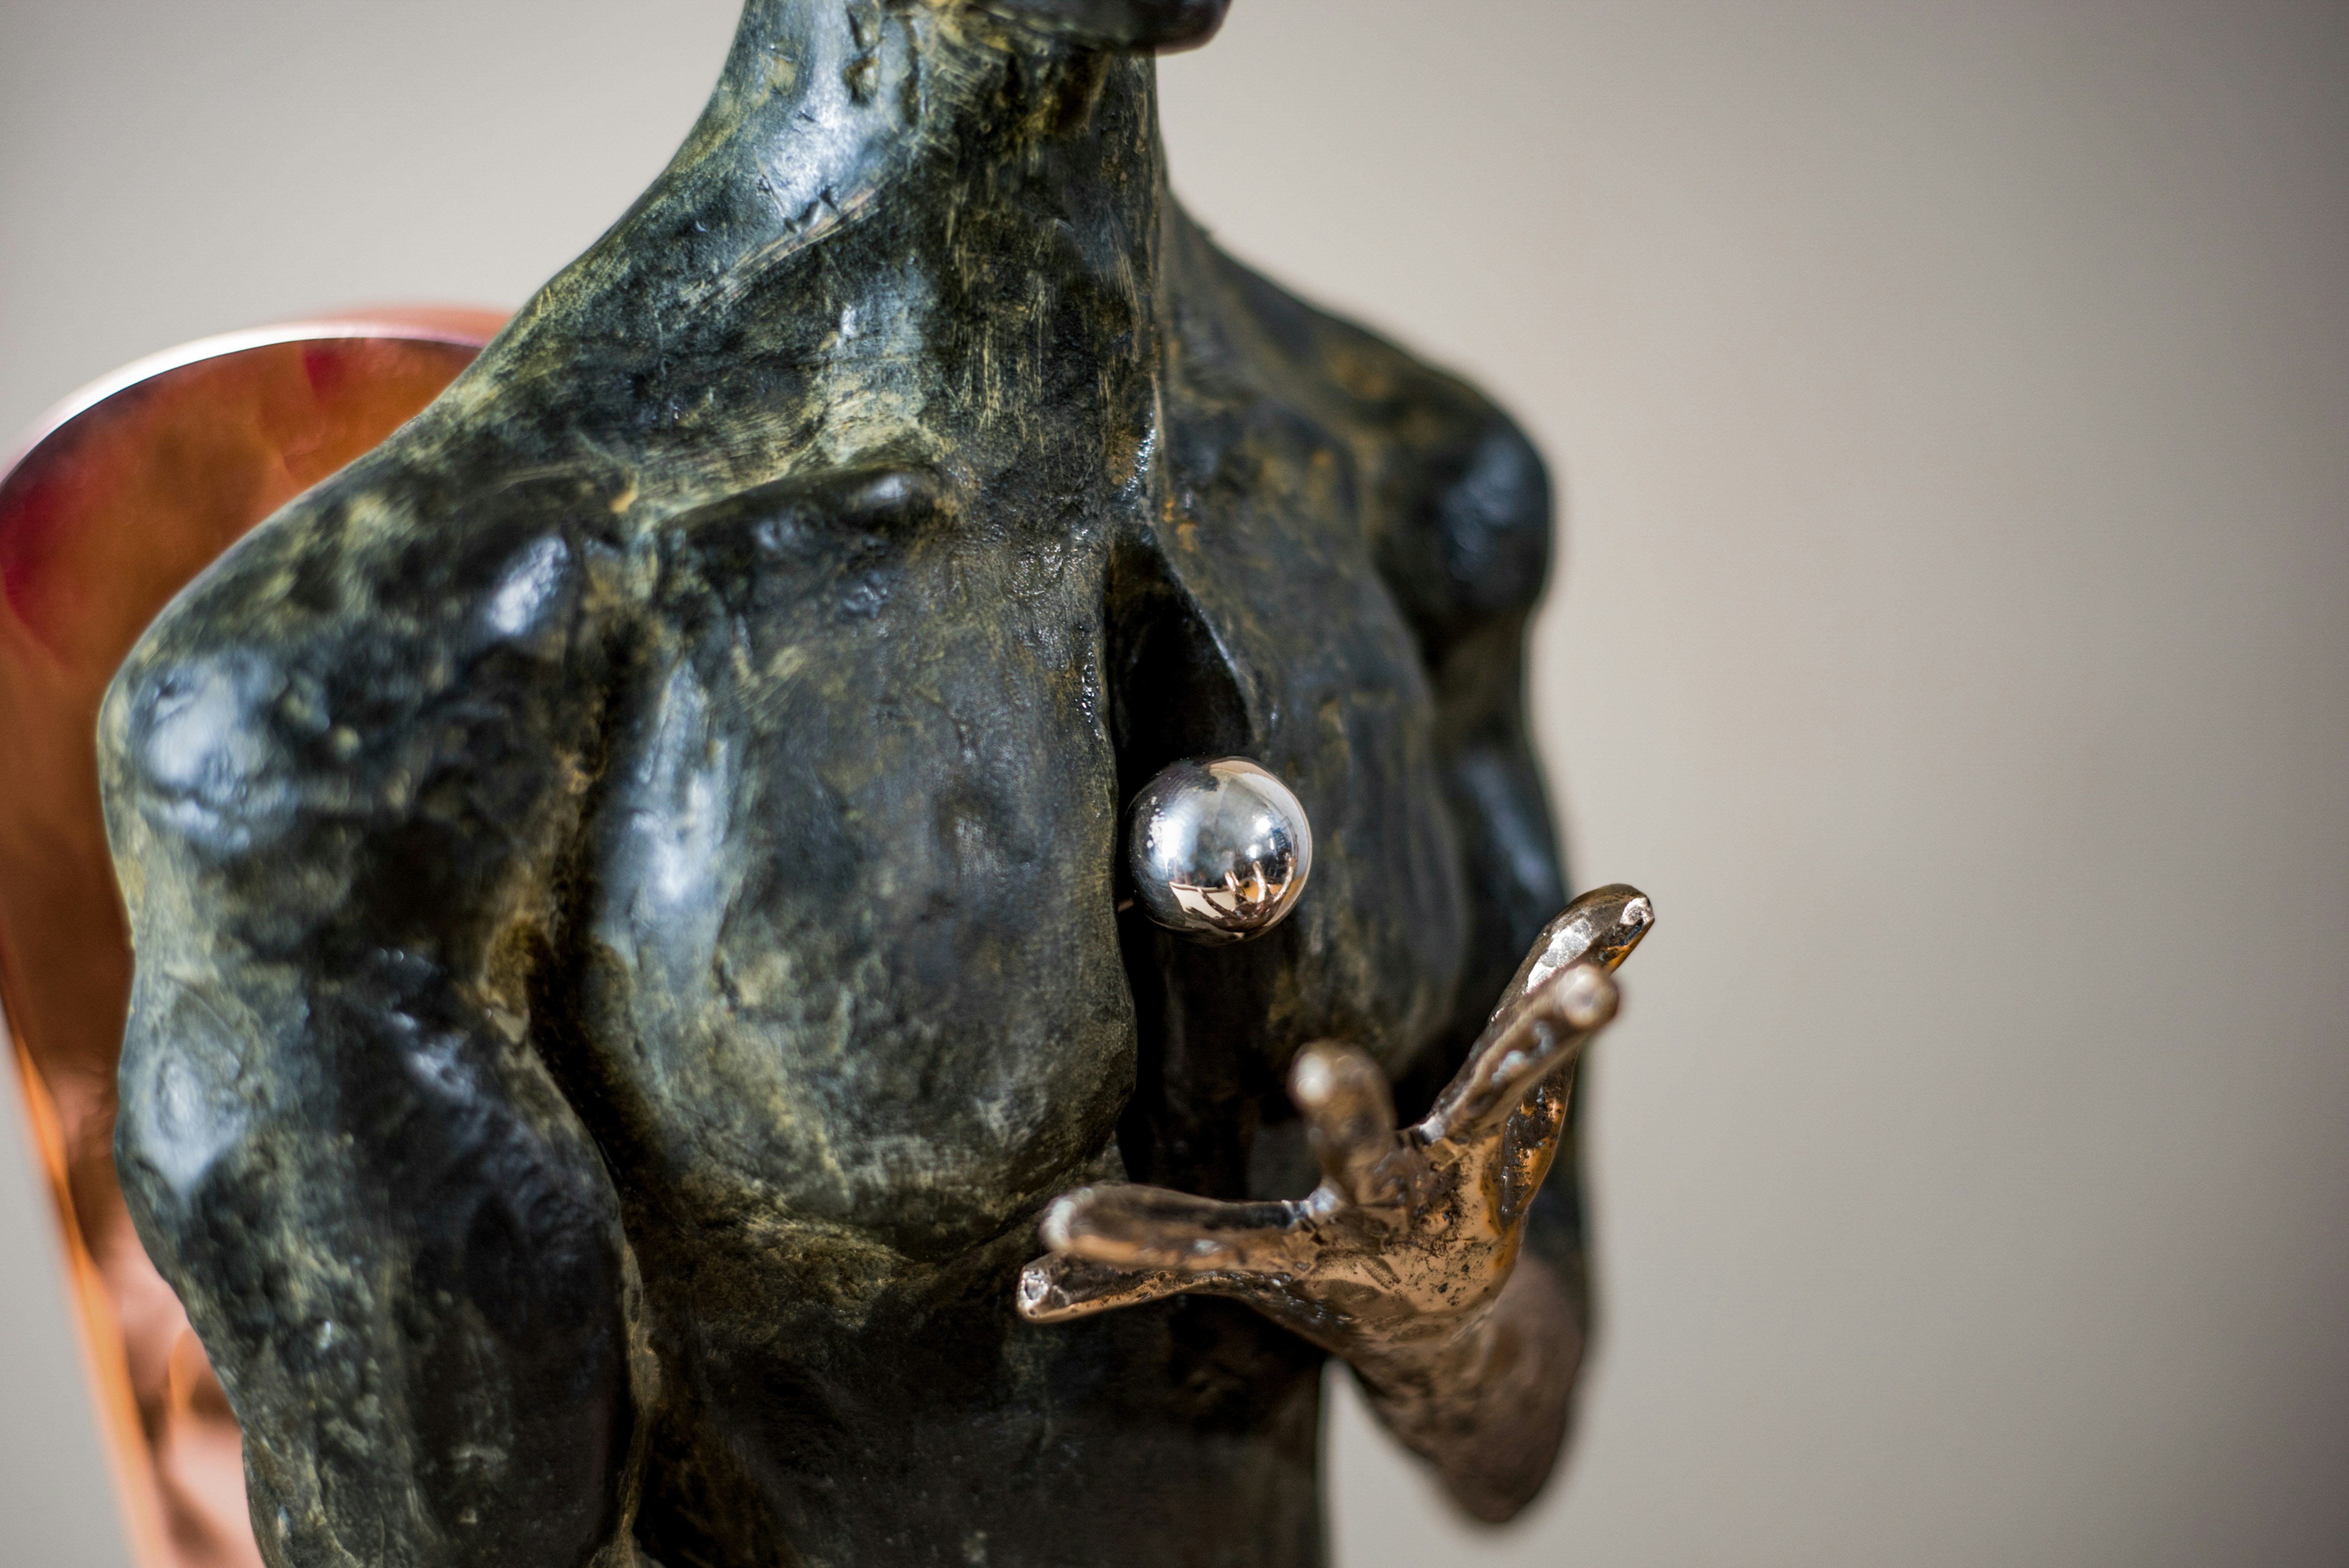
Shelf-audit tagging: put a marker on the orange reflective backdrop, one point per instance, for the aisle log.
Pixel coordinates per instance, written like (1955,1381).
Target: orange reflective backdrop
(121,496)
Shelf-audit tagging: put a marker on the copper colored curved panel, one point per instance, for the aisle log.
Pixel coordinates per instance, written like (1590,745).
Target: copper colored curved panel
(118,498)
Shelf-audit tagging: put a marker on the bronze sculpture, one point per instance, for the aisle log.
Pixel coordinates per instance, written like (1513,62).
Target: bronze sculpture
(625,877)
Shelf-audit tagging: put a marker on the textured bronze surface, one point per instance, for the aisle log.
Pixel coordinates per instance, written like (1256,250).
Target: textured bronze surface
(624,875)
(117,499)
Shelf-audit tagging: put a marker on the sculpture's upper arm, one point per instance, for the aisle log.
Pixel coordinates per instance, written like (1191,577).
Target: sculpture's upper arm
(1466,551)
(342,773)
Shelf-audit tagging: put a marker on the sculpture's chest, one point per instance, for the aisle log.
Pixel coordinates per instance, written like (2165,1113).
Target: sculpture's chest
(855,912)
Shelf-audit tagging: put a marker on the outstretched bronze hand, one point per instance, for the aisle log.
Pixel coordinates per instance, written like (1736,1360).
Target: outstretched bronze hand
(1403,1260)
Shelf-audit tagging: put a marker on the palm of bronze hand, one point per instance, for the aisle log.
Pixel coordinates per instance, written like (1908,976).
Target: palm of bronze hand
(1411,1231)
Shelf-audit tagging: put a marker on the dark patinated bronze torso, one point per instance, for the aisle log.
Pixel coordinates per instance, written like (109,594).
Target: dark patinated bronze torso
(626,875)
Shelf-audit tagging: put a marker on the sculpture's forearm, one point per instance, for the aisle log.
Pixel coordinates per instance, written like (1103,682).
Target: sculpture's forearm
(1486,1405)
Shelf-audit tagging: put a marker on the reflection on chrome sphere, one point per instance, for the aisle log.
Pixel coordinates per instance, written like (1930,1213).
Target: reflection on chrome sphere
(1218,850)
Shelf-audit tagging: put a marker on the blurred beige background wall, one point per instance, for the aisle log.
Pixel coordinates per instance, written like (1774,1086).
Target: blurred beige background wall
(1952,401)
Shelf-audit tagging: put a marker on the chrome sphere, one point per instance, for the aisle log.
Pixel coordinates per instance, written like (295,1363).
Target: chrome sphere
(1217,850)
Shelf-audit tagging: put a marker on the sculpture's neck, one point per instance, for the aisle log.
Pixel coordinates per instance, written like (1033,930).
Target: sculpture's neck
(827,108)
(900,226)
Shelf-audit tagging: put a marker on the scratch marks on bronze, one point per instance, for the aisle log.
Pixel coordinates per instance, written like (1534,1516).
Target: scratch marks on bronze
(840,117)
(873,387)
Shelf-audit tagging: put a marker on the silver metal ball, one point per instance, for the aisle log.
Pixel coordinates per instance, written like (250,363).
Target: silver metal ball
(1217,850)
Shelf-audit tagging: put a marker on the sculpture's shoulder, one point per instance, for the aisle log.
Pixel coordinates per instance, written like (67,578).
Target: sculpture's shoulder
(422,610)
(1455,499)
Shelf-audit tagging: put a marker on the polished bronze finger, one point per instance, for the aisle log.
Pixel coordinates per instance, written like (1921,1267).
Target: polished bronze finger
(1056,1288)
(1601,927)
(1349,1116)
(1556,1020)
(1138,1227)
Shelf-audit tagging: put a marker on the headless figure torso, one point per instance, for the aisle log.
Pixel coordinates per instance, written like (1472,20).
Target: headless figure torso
(624,876)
